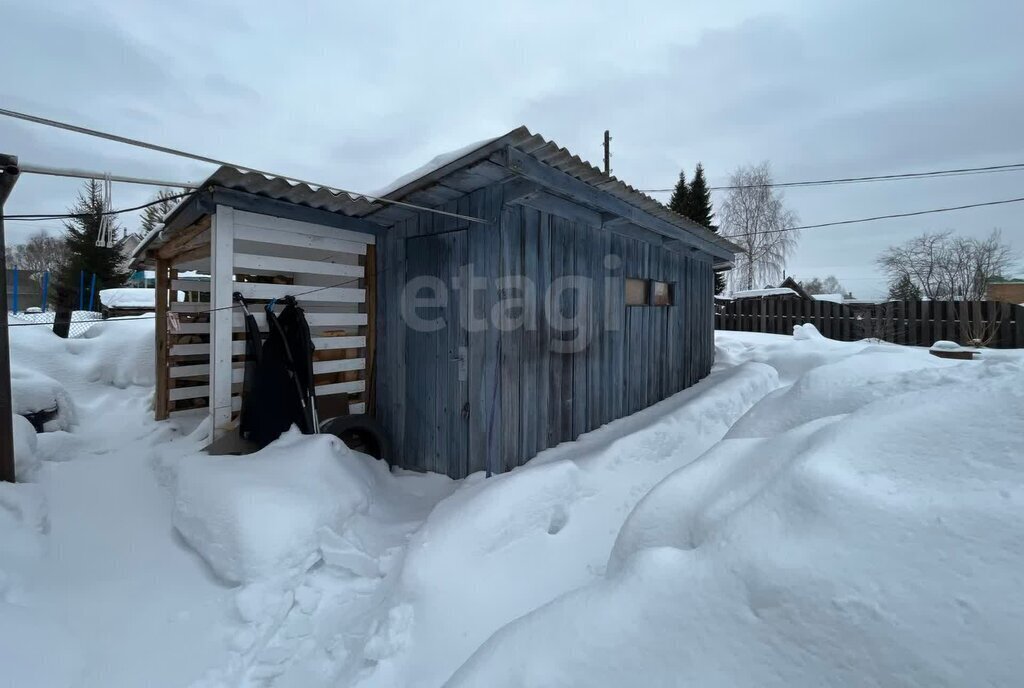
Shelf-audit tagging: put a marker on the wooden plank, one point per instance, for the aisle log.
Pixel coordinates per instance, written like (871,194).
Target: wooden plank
(317,243)
(194,392)
(370,324)
(278,265)
(160,329)
(353,342)
(263,205)
(221,346)
(533,388)
(338,365)
(353,387)
(203,349)
(457,452)
(315,320)
(245,220)
(304,292)
(511,336)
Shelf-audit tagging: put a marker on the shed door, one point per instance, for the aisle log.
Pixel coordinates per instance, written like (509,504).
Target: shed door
(437,412)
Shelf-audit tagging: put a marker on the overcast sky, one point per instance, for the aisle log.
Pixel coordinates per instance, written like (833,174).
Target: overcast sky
(354,95)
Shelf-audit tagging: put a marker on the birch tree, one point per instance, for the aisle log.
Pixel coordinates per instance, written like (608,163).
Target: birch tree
(755,217)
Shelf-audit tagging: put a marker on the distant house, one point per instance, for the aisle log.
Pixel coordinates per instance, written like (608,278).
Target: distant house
(1006,290)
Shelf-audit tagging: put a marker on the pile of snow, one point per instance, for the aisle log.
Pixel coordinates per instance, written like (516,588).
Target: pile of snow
(262,515)
(33,392)
(840,535)
(435,163)
(26,457)
(128,297)
(118,352)
(500,547)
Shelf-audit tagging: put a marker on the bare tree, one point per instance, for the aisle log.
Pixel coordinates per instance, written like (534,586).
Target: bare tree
(817,285)
(40,253)
(755,217)
(945,266)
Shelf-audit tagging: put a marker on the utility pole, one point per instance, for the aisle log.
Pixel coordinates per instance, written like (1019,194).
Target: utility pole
(8,175)
(607,152)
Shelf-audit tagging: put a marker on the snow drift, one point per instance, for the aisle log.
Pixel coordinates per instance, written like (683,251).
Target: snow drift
(875,548)
(257,516)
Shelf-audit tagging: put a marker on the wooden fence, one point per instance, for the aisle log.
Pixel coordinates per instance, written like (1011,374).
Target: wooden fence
(917,323)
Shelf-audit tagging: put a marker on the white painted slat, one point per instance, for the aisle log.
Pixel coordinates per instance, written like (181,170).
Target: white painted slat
(190,307)
(202,286)
(190,328)
(196,370)
(358,407)
(319,243)
(314,320)
(237,348)
(322,343)
(304,292)
(353,387)
(274,264)
(179,393)
(339,366)
(243,217)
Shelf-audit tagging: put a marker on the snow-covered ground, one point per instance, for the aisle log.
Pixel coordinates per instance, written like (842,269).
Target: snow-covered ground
(814,513)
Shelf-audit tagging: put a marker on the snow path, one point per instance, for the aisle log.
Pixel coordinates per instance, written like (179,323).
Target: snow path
(144,608)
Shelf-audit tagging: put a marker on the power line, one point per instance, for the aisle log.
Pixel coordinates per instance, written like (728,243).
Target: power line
(214,161)
(1014,167)
(42,217)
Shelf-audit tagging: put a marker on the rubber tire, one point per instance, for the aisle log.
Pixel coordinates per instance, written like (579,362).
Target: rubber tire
(361,433)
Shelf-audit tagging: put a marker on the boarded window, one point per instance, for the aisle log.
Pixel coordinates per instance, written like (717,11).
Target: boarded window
(636,292)
(661,294)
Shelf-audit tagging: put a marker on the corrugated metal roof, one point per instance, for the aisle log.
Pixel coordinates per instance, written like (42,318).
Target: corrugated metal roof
(445,182)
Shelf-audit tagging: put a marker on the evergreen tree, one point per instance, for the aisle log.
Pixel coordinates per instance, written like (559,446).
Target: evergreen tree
(83,255)
(904,289)
(154,214)
(678,201)
(697,207)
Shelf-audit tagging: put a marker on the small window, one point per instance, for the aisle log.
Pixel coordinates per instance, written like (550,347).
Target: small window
(636,292)
(661,294)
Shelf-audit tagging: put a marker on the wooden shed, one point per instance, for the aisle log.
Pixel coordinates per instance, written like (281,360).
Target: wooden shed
(501,300)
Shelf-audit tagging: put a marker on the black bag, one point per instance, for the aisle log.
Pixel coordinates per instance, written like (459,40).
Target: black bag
(282,392)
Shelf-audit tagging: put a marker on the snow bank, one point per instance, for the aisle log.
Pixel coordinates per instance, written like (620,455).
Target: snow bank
(118,352)
(256,516)
(501,547)
(128,297)
(872,547)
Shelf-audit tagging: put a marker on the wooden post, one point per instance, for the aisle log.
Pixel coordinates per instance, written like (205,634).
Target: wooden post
(370,273)
(162,370)
(222,233)
(8,176)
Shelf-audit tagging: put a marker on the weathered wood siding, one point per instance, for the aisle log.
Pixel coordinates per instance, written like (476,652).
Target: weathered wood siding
(491,398)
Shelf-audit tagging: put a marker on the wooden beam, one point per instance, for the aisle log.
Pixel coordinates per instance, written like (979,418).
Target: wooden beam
(519,190)
(291,211)
(371,326)
(284,238)
(280,224)
(185,240)
(585,194)
(162,287)
(221,301)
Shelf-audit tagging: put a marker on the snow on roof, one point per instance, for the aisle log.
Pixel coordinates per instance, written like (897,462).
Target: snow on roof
(758,293)
(435,163)
(834,298)
(128,297)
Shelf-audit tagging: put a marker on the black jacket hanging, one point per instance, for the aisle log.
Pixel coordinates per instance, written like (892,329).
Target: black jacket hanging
(282,392)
